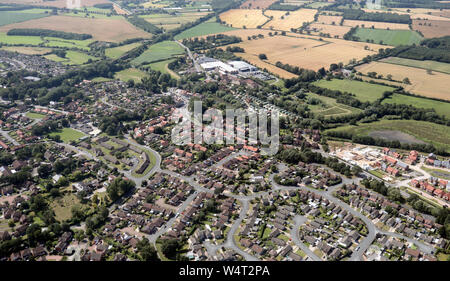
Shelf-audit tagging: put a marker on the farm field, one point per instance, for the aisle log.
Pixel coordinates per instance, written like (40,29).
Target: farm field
(253,59)
(329,107)
(169,22)
(329,19)
(8,17)
(257,4)
(161,51)
(427,64)
(362,90)
(295,19)
(432,28)
(388,37)
(333,30)
(58,42)
(376,25)
(244,18)
(116,52)
(19,40)
(205,28)
(303,51)
(429,85)
(67,134)
(439,135)
(441,108)
(54,3)
(130,73)
(108,30)
(162,66)
(27,50)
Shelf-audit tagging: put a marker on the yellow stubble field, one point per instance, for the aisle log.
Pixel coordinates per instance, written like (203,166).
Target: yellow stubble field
(239,18)
(375,24)
(333,30)
(433,85)
(283,20)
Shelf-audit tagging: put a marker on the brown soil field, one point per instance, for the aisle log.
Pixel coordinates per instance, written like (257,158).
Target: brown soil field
(257,4)
(119,10)
(110,30)
(333,30)
(429,85)
(302,50)
(240,18)
(378,25)
(27,50)
(329,19)
(443,13)
(55,3)
(295,19)
(438,28)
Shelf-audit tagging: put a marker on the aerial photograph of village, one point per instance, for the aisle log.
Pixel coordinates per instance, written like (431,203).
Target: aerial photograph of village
(126,130)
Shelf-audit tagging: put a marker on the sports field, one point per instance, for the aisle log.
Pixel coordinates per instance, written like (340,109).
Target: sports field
(119,51)
(67,134)
(434,85)
(362,90)
(388,37)
(206,28)
(160,51)
(439,135)
(441,108)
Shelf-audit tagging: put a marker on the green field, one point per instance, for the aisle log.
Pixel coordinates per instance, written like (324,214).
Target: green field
(9,17)
(116,52)
(441,108)
(438,135)
(160,51)
(162,66)
(388,37)
(168,21)
(72,58)
(67,134)
(362,90)
(209,27)
(19,40)
(130,73)
(329,107)
(34,115)
(426,64)
(58,42)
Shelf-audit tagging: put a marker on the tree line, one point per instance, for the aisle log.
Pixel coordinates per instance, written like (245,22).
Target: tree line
(48,33)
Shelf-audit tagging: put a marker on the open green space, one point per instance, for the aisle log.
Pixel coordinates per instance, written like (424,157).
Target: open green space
(329,107)
(58,42)
(9,17)
(438,135)
(425,64)
(388,37)
(160,51)
(131,73)
(34,115)
(62,206)
(438,173)
(19,40)
(162,66)
(441,107)
(116,52)
(363,91)
(208,27)
(72,58)
(68,134)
